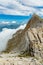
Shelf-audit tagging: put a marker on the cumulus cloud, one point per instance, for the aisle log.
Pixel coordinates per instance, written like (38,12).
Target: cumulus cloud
(21,7)
(6,34)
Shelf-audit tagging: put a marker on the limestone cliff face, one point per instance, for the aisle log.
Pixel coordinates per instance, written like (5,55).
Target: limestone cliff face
(30,39)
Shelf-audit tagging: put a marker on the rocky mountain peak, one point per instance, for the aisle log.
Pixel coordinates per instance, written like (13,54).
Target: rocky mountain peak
(34,20)
(30,39)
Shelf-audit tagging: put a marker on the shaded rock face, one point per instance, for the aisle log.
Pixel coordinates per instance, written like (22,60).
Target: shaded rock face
(36,44)
(30,39)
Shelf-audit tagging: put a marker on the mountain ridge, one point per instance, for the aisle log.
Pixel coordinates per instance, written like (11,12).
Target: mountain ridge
(30,39)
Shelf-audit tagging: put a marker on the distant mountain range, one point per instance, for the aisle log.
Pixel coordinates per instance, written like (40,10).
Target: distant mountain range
(11,26)
(12,22)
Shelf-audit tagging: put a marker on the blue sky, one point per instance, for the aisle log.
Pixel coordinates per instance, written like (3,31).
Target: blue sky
(22,8)
(16,19)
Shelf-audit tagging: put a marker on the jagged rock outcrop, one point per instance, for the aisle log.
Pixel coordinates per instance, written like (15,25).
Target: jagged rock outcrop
(30,39)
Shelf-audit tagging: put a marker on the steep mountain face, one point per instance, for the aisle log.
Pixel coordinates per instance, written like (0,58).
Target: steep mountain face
(30,39)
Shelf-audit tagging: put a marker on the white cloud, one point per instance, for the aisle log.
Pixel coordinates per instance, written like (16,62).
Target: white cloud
(3,22)
(32,2)
(6,34)
(20,7)
(7,22)
(13,22)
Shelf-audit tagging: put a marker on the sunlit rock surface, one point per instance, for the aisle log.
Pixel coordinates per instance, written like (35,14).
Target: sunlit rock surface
(19,61)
